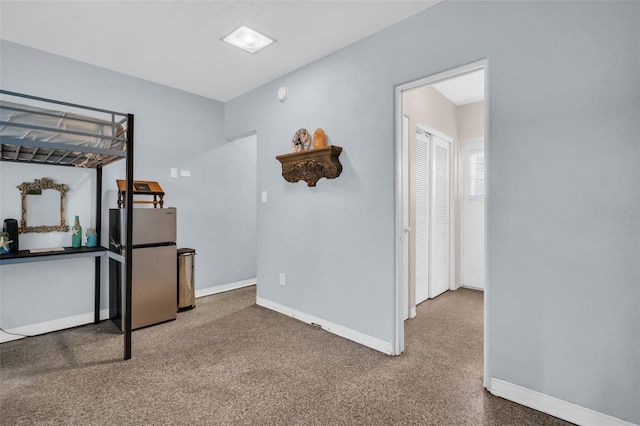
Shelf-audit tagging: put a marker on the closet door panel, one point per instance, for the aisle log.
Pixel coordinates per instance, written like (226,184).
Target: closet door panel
(440,217)
(423,186)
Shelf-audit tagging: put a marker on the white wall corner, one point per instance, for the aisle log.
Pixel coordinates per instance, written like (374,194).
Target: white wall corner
(225,287)
(339,330)
(556,407)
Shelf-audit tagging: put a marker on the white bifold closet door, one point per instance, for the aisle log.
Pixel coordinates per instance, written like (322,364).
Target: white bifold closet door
(440,218)
(423,205)
(433,216)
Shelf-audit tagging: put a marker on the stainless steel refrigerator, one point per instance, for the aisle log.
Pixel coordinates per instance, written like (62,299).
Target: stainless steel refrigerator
(154,277)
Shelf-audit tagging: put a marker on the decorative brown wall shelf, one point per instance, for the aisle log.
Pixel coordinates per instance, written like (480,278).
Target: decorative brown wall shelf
(312,165)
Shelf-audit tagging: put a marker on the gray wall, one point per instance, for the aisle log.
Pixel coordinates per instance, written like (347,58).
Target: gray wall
(563,147)
(216,205)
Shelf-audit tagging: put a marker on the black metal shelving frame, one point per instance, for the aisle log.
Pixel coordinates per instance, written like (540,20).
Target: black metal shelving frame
(61,154)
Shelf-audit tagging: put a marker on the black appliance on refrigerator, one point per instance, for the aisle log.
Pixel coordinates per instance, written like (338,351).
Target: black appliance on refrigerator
(154,266)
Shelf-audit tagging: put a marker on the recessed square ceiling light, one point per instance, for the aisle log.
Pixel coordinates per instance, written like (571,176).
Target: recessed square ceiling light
(247,39)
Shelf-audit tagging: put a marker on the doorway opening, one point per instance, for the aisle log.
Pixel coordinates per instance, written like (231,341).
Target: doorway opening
(440,190)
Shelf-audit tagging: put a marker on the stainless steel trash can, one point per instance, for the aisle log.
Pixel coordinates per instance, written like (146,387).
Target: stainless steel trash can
(186,283)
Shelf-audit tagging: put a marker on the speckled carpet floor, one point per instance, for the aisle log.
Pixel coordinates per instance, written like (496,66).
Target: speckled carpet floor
(229,361)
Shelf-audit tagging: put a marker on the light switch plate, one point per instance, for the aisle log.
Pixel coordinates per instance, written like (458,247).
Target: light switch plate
(174,172)
(264,196)
(185,173)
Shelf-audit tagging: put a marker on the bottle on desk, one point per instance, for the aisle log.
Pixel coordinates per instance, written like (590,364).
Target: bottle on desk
(76,233)
(92,238)
(4,242)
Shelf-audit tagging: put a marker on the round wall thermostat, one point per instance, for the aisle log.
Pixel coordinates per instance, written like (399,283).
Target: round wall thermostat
(283,92)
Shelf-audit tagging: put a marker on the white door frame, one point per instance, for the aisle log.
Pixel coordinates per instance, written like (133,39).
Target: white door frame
(401,281)
(406,226)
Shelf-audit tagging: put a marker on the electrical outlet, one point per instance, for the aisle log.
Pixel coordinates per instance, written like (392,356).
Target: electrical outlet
(173,172)
(282,280)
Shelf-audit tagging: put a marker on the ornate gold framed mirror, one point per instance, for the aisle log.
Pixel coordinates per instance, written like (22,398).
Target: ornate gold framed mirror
(43,201)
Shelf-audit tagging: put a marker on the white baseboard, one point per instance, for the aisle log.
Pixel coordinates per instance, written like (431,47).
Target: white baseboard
(53,325)
(6,337)
(556,407)
(87,318)
(472,287)
(225,287)
(347,333)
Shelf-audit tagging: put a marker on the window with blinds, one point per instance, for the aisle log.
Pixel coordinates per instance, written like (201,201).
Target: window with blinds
(477,175)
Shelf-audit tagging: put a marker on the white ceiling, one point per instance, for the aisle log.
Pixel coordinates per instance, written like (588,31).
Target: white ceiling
(177,43)
(466,89)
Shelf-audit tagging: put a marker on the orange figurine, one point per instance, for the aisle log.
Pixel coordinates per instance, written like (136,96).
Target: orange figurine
(319,139)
